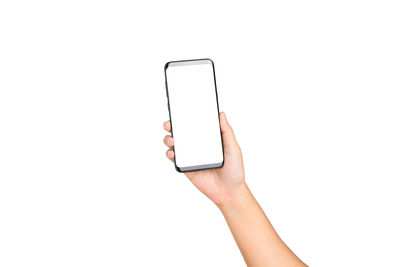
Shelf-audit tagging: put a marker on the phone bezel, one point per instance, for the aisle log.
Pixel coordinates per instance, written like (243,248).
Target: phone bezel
(204,166)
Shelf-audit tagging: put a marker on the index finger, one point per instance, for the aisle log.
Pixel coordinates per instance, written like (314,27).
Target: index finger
(167,126)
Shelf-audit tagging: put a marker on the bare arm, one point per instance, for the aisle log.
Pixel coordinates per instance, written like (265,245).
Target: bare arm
(258,241)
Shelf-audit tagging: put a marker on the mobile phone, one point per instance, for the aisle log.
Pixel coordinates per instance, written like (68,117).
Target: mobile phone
(194,114)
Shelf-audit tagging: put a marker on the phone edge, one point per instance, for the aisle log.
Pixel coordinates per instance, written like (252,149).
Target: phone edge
(178,169)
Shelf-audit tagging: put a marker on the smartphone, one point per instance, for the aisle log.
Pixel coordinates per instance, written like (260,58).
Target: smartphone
(194,114)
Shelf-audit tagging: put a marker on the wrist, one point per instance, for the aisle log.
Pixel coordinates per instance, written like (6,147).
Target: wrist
(236,198)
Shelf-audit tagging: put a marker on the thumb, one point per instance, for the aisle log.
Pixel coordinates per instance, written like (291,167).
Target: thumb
(228,137)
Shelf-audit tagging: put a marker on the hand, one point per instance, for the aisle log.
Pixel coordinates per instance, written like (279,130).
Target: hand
(257,239)
(217,184)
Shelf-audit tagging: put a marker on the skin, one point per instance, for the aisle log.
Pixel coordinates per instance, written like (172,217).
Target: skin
(256,238)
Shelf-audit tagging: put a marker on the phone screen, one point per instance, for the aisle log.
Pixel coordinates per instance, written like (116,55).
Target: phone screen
(194,114)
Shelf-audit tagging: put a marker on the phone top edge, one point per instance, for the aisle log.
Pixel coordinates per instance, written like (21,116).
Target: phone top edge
(176,63)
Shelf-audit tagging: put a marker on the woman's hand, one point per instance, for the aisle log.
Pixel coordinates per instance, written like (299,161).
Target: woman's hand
(258,241)
(217,184)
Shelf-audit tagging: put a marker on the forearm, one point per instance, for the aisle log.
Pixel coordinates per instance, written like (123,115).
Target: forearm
(258,242)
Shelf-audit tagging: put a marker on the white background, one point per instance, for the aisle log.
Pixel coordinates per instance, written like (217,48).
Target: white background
(310,87)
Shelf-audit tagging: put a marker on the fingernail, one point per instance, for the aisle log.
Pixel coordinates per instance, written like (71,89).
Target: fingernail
(224,116)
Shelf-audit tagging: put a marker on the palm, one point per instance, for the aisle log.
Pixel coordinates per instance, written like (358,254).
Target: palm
(206,181)
(217,183)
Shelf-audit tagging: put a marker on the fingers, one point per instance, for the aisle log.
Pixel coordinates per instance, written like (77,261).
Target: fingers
(167,126)
(228,137)
(169,141)
(170,154)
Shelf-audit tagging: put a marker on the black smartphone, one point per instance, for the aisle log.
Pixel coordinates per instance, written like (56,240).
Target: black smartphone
(194,114)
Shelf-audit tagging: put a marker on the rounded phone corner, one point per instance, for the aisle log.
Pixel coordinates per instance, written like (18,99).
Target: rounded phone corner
(167,65)
(178,169)
(222,164)
(209,59)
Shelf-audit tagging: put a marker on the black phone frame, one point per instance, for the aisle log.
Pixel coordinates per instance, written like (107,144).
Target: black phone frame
(204,166)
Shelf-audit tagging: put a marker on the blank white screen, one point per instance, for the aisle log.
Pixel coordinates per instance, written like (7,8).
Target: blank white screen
(194,113)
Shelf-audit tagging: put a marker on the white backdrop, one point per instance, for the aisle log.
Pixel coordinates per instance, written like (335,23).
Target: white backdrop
(310,87)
